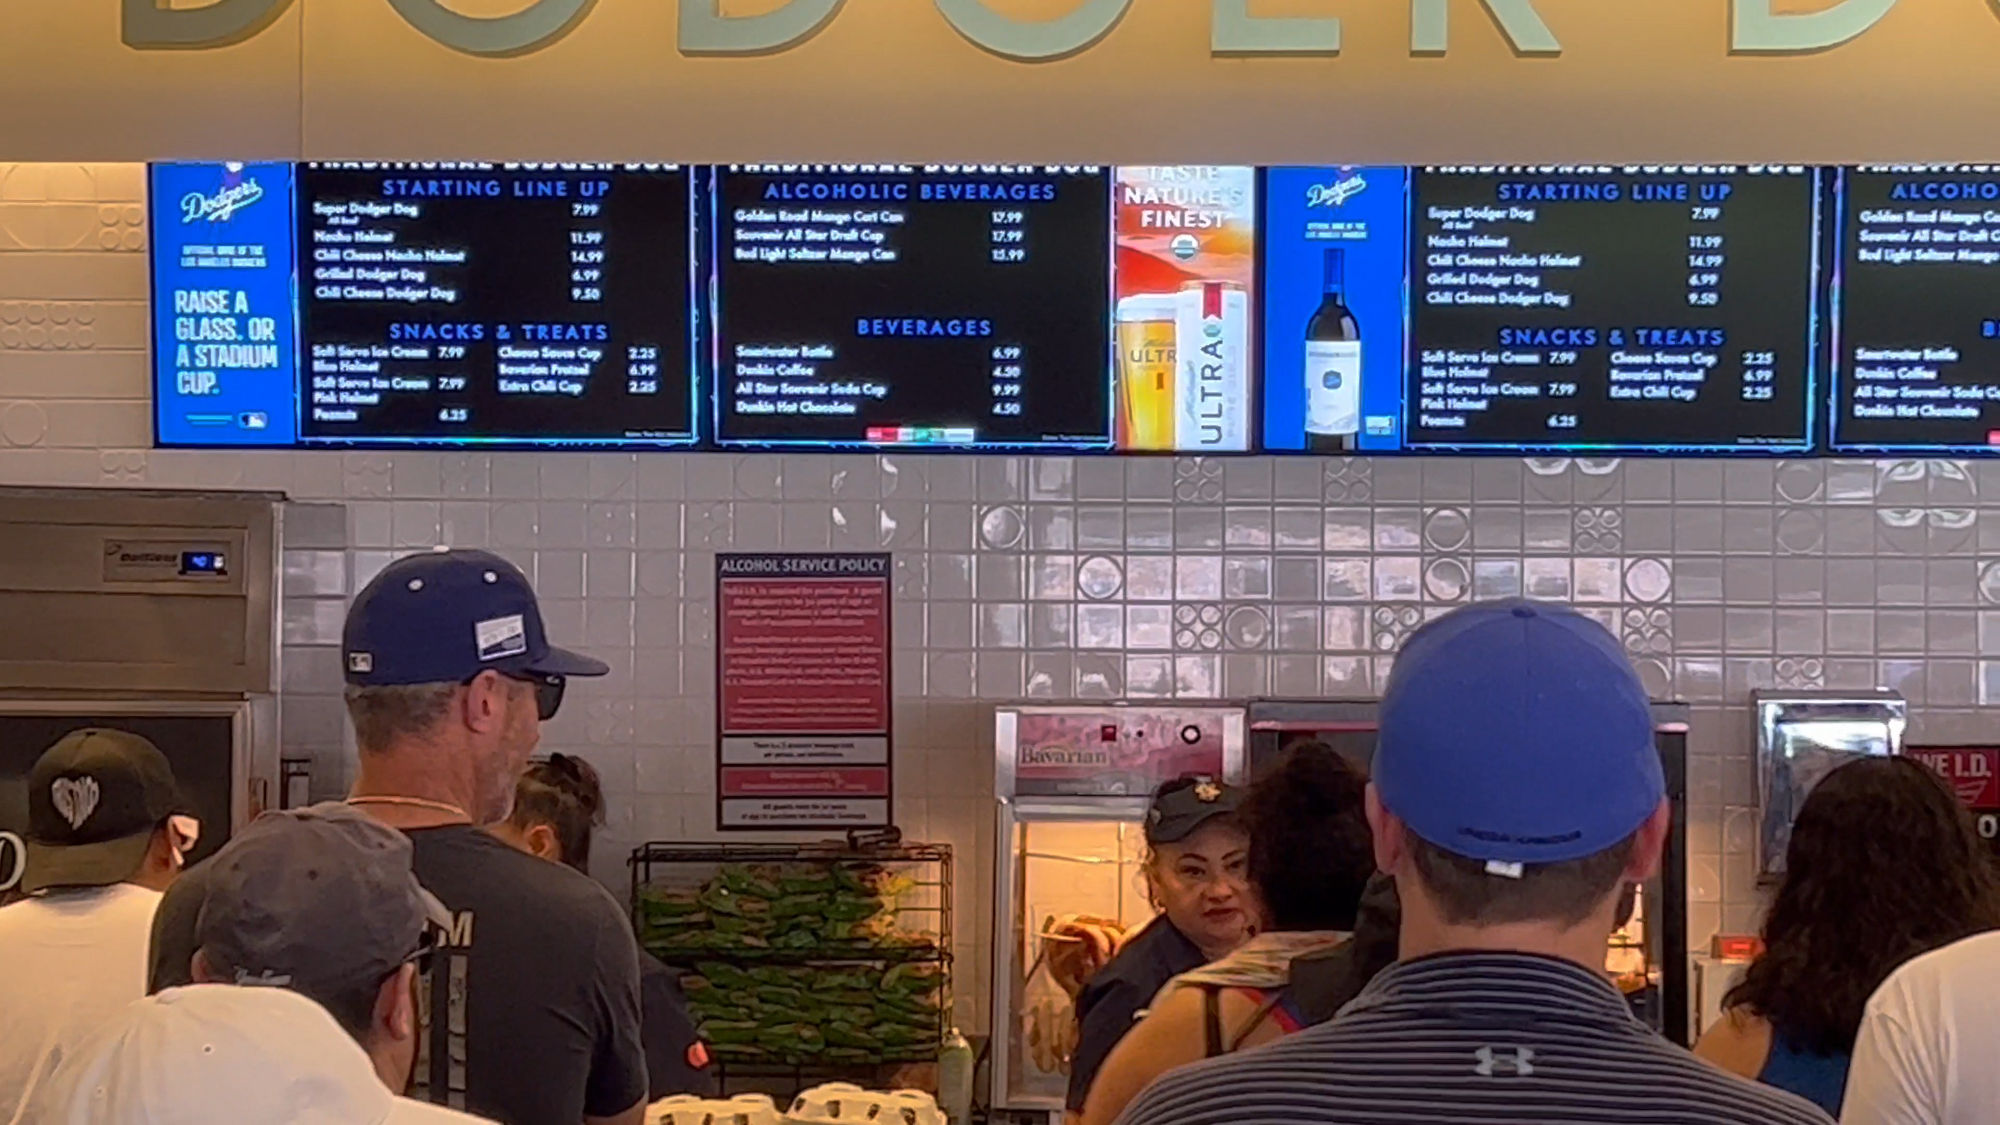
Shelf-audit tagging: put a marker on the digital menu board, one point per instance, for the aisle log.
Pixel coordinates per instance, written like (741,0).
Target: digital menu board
(1188,309)
(520,304)
(1624,308)
(898,306)
(225,370)
(1916,353)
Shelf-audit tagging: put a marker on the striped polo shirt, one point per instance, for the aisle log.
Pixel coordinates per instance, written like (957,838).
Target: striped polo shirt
(1471,1037)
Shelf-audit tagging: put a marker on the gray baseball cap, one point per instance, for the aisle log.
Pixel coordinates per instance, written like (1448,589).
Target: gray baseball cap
(317,900)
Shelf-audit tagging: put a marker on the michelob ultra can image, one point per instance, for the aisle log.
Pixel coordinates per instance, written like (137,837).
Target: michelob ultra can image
(1212,354)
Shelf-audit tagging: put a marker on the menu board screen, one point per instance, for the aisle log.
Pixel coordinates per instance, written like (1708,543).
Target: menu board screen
(517,304)
(1613,308)
(894,305)
(1916,363)
(225,366)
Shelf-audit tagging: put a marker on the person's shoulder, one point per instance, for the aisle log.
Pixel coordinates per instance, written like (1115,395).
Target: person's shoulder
(1739,1042)
(1969,964)
(1727,1098)
(474,853)
(470,870)
(1159,951)
(1124,980)
(21,916)
(1758,1104)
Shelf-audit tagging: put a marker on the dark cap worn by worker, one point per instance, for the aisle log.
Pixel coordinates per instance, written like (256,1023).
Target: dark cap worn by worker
(445,616)
(1181,807)
(94,801)
(319,900)
(1517,732)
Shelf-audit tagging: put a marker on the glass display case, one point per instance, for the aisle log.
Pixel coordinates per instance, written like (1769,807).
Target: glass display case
(1073,784)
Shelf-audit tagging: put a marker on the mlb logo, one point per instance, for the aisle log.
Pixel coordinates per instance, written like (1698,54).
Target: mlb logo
(361,663)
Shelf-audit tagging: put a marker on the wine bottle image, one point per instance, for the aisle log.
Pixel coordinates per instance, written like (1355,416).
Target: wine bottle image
(1333,366)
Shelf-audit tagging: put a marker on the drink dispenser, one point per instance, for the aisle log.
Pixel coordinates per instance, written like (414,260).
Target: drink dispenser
(1802,737)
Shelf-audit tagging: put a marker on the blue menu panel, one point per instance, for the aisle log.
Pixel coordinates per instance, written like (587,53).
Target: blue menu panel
(1335,239)
(225,357)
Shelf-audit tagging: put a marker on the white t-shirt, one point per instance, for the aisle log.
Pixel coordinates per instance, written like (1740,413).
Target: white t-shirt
(1929,1051)
(69,960)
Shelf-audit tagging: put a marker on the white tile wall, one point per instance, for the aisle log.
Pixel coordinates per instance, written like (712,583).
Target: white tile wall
(1049,577)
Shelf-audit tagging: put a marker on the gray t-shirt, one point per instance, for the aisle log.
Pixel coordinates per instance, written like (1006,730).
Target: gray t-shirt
(534,997)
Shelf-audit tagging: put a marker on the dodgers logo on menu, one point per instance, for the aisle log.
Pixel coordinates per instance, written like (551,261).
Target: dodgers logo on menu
(1337,193)
(236,193)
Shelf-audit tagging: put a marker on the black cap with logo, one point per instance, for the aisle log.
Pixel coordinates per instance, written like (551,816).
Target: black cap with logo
(1185,804)
(94,799)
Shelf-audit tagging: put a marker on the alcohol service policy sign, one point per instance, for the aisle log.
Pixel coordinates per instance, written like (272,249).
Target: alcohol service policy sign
(802,691)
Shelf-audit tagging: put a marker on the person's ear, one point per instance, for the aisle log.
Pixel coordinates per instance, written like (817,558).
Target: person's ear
(161,855)
(200,973)
(1649,844)
(543,844)
(1391,838)
(396,1004)
(483,703)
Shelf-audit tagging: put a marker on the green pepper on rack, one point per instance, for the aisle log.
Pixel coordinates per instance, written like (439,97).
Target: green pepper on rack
(840,1033)
(729,1032)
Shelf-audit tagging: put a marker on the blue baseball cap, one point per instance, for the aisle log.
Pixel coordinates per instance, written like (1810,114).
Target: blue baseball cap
(445,616)
(1517,732)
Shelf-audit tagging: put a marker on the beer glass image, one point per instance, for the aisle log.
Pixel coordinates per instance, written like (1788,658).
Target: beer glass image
(1212,345)
(1146,369)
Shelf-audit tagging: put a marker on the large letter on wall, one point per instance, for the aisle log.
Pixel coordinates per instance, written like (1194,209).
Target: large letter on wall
(1430,27)
(1755,29)
(530,29)
(704,32)
(1237,32)
(147,26)
(1034,40)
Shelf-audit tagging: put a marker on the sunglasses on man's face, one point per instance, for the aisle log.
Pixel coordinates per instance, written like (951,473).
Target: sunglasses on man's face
(548,690)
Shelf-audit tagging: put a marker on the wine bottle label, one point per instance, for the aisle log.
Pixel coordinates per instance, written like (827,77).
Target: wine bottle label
(1333,386)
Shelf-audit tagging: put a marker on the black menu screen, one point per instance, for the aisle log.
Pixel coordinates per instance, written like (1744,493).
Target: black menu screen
(1614,308)
(1916,363)
(913,306)
(530,304)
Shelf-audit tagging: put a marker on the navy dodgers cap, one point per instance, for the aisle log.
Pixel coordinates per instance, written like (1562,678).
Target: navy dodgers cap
(445,616)
(1517,732)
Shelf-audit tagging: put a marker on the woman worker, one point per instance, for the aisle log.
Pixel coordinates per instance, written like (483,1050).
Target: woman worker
(1196,855)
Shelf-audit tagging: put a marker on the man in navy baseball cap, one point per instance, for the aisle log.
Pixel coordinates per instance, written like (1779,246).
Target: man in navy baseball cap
(534,1001)
(459,631)
(1517,792)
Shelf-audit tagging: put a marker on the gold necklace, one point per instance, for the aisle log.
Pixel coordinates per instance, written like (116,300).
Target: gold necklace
(414,803)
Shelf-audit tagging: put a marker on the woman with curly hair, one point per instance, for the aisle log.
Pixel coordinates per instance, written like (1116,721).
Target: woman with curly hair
(1884,864)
